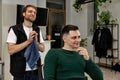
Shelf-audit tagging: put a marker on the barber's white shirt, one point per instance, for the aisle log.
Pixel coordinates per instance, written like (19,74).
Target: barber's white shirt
(12,39)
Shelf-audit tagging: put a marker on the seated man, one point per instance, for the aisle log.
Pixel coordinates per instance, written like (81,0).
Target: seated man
(71,61)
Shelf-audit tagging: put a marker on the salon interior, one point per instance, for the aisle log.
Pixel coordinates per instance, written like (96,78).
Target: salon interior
(89,15)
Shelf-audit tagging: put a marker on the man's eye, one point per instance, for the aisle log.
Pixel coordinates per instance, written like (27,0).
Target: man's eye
(32,12)
(79,37)
(74,37)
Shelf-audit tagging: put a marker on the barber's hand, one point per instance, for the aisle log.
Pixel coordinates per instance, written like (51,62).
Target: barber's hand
(83,51)
(33,35)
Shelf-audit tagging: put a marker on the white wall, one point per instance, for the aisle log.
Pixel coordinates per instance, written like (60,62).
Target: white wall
(41,3)
(0,26)
(79,19)
(68,11)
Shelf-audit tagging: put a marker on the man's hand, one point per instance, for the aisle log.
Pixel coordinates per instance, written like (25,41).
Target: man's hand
(83,51)
(33,35)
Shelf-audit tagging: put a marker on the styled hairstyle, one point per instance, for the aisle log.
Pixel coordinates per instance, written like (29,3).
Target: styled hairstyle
(68,28)
(25,8)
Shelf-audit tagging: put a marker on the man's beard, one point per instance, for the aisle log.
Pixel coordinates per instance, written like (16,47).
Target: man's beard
(30,20)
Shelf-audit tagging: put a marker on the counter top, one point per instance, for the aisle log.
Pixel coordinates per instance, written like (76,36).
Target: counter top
(50,40)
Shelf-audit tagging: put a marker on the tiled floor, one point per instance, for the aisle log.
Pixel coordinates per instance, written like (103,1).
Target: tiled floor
(109,74)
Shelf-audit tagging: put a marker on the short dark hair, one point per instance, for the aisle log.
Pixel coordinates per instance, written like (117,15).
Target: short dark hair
(68,28)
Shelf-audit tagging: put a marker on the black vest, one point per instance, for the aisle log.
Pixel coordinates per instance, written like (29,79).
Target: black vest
(17,60)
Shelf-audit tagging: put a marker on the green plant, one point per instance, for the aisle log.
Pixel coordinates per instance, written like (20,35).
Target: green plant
(97,24)
(114,21)
(83,42)
(104,16)
(78,3)
(99,3)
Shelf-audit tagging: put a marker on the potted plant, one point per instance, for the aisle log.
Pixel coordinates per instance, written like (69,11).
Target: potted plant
(99,3)
(78,3)
(114,21)
(83,42)
(97,24)
(104,17)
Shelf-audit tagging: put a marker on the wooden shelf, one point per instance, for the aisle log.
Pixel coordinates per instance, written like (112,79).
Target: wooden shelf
(115,39)
(115,49)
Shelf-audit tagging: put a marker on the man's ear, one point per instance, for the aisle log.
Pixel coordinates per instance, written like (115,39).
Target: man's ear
(64,38)
(23,14)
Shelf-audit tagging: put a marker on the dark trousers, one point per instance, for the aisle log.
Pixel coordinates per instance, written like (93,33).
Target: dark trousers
(29,75)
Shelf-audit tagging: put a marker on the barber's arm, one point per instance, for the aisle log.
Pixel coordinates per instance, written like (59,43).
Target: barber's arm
(40,45)
(14,48)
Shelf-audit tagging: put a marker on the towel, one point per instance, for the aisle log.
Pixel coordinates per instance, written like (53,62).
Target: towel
(32,54)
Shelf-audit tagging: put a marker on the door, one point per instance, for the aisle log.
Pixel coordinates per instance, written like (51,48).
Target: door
(56,23)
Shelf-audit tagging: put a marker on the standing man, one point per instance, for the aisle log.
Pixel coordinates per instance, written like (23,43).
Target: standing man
(19,38)
(71,61)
